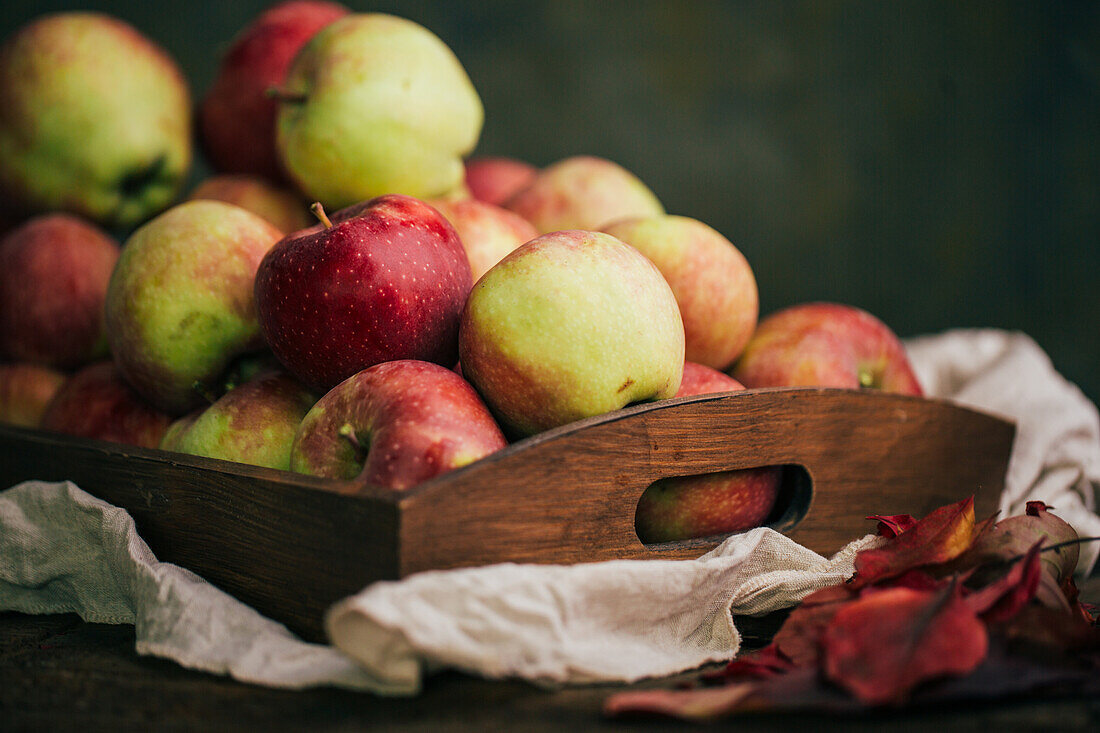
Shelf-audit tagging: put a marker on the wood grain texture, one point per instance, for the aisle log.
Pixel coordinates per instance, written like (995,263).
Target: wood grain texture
(290,545)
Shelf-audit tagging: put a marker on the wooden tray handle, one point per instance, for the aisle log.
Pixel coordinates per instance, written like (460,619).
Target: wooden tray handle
(570,494)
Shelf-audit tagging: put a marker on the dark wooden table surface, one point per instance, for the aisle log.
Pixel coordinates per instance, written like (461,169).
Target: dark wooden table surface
(58,673)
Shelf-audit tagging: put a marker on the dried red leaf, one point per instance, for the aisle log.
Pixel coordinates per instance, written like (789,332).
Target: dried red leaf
(937,538)
(701,704)
(760,664)
(891,525)
(1034,508)
(798,638)
(914,580)
(1003,598)
(884,644)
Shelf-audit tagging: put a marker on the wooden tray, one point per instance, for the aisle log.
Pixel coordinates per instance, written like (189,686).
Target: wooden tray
(290,545)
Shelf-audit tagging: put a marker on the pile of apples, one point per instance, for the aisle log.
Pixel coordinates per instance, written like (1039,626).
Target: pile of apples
(433,307)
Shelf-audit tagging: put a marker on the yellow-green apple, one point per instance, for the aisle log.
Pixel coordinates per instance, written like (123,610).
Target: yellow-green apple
(826,345)
(711,279)
(236,117)
(375,104)
(180,301)
(54,271)
(281,207)
(495,179)
(395,425)
(383,280)
(487,232)
(684,507)
(96,402)
(94,119)
(253,423)
(583,192)
(25,390)
(570,325)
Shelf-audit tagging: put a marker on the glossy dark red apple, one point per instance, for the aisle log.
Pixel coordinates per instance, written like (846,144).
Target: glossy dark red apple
(386,281)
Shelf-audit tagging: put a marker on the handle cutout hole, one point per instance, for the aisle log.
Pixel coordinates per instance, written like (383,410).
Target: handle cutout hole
(706,507)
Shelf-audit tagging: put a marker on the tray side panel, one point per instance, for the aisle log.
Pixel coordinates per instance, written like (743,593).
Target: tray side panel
(571,496)
(285,547)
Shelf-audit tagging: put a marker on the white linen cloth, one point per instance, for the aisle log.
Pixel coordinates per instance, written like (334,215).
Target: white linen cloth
(63,550)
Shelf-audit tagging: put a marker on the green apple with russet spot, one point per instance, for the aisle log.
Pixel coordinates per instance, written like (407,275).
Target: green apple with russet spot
(252,423)
(95,119)
(180,305)
(570,325)
(372,105)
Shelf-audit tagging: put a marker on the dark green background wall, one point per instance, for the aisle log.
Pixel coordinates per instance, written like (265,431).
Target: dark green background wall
(937,163)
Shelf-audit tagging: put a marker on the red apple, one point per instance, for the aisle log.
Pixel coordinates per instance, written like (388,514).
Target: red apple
(713,283)
(826,345)
(54,271)
(495,179)
(281,207)
(395,425)
(684,507)
(237,115)
(385,282)
(25,390)
(96,402)
(487,232)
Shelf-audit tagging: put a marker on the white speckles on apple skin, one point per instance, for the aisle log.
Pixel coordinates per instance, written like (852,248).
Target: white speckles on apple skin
(381,305)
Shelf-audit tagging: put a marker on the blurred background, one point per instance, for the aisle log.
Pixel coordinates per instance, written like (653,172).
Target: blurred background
(936,163)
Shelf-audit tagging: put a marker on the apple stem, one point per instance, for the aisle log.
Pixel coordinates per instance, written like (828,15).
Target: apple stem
(285,95)
(319,211)
(203,390)
(347,430)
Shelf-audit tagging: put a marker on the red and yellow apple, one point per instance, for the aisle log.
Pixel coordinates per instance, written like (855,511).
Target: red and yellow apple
(373,105)
(570,325)
(54,271)
(711,279)
(583,192)
(253,423)
(96,120)
(180,305)
(685,507)
(826,345)
(494,179)
(97,402)
(487,232)
(395,425)
(25,390)
(280,207)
